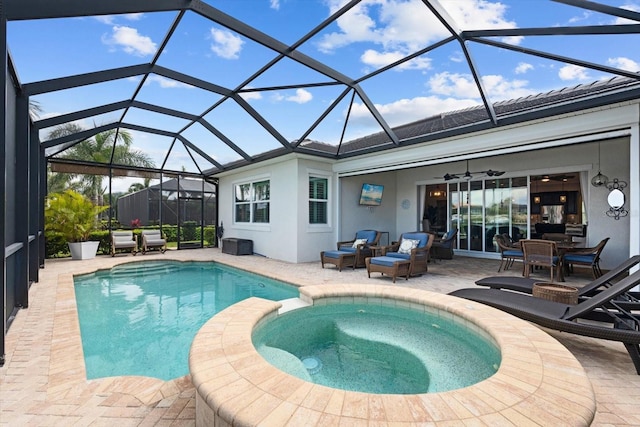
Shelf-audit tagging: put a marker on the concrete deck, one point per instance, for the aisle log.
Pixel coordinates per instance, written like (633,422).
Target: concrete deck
(43,380)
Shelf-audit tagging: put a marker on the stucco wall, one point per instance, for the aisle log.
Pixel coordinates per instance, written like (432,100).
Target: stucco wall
(354,217)
(572,158)
(556,145)
(288,236)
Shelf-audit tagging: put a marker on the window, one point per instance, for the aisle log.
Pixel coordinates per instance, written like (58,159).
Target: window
(318,200)
(252,202)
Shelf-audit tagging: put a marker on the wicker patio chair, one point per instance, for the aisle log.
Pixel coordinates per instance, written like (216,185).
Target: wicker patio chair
(402,259)
(541,253)
(361,248)
(443,248)
(587,257)
(508,252)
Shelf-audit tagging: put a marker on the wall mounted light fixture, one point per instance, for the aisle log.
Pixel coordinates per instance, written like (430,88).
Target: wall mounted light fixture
(616,199)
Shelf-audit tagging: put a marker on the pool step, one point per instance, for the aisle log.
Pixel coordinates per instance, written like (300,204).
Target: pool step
(145,267)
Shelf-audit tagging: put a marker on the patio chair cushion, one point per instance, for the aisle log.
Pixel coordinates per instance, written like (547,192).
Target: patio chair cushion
(398,255)
(407,245)
(514,253)
(349,249)
(386,261)
(123,239)
(369,235)
(422,237)
(586,259)
(336,254)
(359,242)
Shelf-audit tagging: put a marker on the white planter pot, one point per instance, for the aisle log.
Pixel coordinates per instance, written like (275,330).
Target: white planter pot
(83,250)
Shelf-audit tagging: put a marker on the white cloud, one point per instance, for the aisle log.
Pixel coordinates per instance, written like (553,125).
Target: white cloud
(453,84)
(403,27)
(624,21)
(523,67)
(129,40)
(110,19)
(274,4)
(301,97)
(248,96)
(573,72)
(408,110)
(499,88)
(463,86)
(380,59)
(624,64)
(226,44)
(166,83)
(585,15)
(105,19)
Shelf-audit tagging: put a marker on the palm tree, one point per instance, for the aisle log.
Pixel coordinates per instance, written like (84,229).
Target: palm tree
(109,147)
(136,186)
(34,109)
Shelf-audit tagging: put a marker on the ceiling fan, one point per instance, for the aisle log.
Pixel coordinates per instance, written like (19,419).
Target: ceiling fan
(468,175)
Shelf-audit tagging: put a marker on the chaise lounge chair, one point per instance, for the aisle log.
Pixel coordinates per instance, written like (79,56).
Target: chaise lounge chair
(525,285)
(599,316)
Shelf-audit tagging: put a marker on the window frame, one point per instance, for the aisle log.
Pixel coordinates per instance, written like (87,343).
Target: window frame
(252,203)
(317,174)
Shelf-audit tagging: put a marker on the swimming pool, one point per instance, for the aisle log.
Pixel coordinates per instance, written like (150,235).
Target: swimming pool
(140,318)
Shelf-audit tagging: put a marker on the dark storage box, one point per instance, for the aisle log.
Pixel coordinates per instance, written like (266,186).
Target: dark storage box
(237,246)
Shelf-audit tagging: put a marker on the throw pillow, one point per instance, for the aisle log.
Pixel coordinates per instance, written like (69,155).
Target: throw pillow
(406,245)
(358,242)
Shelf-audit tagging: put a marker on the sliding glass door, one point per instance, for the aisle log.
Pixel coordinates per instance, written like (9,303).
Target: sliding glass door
(481,209)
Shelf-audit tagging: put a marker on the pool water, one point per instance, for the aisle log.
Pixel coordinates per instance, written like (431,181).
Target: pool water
(376,349)
(140,318)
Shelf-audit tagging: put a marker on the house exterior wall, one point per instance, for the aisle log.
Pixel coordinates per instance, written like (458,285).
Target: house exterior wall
(354,217)
(559,144)
(287,236)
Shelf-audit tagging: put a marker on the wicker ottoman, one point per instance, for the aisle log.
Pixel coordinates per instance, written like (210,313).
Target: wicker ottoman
(339,259)
(556,292)
(393,267)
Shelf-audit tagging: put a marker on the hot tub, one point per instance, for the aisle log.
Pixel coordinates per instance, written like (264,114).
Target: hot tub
(538,379)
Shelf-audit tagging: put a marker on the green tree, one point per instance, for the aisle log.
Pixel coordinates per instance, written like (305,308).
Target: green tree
(112,146)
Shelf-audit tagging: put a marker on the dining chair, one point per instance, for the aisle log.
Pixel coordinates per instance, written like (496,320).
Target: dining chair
(541,253)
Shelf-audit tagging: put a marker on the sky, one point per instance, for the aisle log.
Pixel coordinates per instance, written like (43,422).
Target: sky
(370,36)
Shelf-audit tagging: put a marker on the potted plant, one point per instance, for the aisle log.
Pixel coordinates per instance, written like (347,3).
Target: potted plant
(73,216)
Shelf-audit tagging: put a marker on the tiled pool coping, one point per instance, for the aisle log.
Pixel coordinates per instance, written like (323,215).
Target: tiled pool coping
(236,386)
